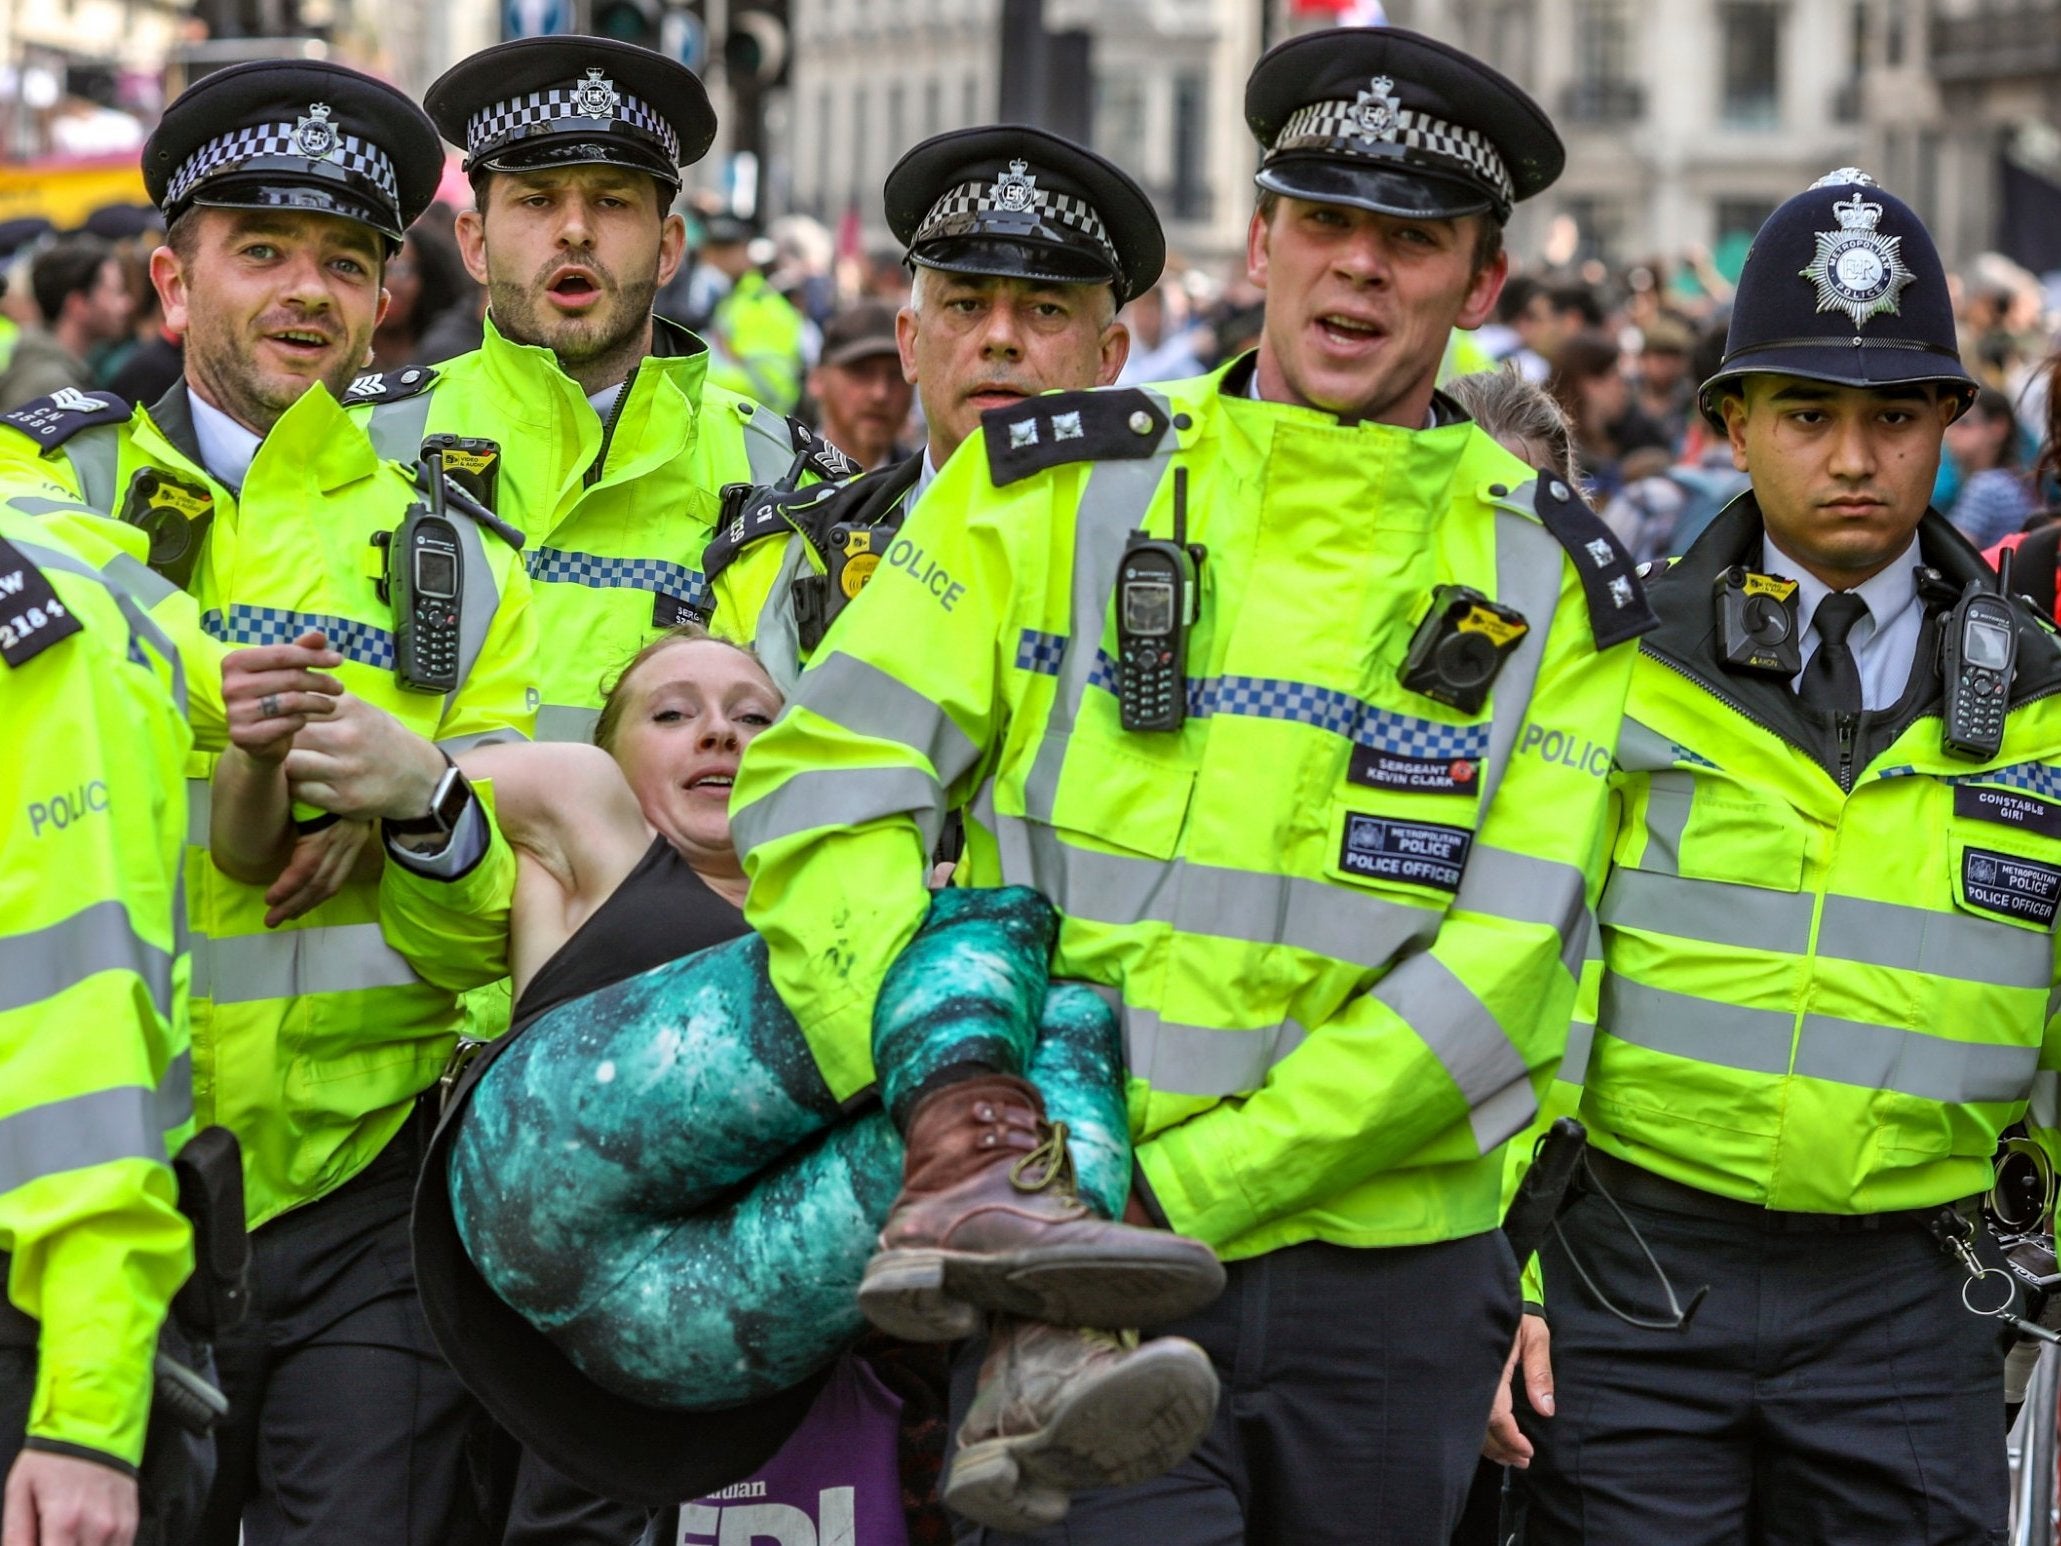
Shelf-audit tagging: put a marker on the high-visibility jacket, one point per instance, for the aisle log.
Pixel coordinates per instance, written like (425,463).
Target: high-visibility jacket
(616,513)
(312,1040)
(1828,945)
(95,1084)
(755,343)
(1341,919)
(1463,357)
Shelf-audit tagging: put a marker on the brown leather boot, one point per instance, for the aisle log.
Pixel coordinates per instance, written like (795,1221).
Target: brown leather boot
(988,1219)
(1058,1411)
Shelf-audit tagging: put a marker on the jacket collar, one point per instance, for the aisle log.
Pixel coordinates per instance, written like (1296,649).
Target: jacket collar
(313,440)
(528,376)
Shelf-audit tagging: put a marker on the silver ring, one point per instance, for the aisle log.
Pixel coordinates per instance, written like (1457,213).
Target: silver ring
(268,706)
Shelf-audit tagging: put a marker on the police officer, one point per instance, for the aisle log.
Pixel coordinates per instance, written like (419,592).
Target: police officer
(755,336)
(285,187)
(95,1082)
(1197,663)
(591,424)
(1828,950)
(1025,246)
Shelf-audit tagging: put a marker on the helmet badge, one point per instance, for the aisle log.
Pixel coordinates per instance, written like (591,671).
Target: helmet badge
(595,97)
(315,136)
(1376,110)
(1856,269)
(1015,190)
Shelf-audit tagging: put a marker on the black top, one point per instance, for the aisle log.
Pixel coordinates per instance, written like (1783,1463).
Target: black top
(661,912)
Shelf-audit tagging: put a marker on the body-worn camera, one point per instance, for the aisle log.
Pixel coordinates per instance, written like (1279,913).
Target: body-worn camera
(175,515)
(1757,626)
(425,580)
(474,464)
(1460,646)
(1979,656)
(852,551)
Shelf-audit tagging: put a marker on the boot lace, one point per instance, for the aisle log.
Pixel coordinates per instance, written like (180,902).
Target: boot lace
(1047,1167)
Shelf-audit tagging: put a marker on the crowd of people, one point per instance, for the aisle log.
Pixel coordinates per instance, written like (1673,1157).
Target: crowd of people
(661,889)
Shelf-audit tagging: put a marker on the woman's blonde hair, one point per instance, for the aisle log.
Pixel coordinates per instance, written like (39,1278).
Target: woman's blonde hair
(1507,407)
(615,699)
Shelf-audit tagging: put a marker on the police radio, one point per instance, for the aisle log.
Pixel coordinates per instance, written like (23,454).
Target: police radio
(1158,598)
(1756,623)
(473,464)
(425,577)
(1459,648)
(1980,651)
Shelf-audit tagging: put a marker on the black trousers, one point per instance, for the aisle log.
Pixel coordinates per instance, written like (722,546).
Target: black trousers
(177,1465)
(346,1427)
(1831,1389)
(548,1510)
(1356,1389)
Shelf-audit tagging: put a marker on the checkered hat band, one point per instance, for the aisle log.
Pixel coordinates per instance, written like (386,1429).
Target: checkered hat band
(1334,128)
(559,107)
(978,198)
(358,157)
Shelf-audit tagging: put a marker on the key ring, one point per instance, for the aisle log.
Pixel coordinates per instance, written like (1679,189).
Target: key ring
(2003,1308)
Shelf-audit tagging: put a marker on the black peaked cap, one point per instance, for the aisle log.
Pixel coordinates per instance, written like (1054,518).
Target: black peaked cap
(295,134)
(570,100)
(1393,121)
(1018,202)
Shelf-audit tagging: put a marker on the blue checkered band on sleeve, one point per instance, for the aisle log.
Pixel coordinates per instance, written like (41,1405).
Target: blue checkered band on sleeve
(245,626)
(566,107)
(286,141)
(1262,697)
(557,566)
(982,198)
(1336,128)
(1040,652)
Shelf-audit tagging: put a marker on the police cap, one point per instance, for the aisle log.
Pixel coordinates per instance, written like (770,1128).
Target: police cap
(295,134)
(539,103)
(1392,121)
(1024,204)
(1843,284)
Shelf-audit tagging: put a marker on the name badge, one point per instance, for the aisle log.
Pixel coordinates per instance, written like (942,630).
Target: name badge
(1375,769)
(2008,808)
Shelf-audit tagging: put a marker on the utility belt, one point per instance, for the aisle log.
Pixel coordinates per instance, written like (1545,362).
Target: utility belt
(1629,1183)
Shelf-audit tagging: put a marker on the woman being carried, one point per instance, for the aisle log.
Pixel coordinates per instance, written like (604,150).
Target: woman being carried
(651,1168)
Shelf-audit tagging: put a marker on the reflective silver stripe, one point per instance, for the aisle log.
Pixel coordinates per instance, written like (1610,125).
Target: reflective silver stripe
(1574,1062)
(768,453)
(1668,800)
(506,735)
(480,598)
(94,1129)
(139,621)
(1468,1041)
(1115,499)
(1753,1040)
(841,797)
(1642,749)
(96,459)
(867,701)
(1528,567)
(1181,1059)
(562,722)
(1502,883)
(200,814)
(175,1092)
(1883,1057)
(1937,944)
(140,580)
(396,429)
(44,962)
(2045,1110)
(1715,912)
(292,963)
(776,636)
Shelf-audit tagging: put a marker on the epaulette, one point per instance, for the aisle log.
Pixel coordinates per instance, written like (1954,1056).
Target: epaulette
(390,386)
(51,421)
(32,618)
(752,515)
(822,458)
(1618,609)
(1062,427)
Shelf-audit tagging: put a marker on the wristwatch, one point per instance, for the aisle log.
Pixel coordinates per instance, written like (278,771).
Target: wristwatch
(446,804)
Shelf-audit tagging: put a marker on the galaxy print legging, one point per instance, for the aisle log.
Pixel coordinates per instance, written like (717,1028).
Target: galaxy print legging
(657,1177)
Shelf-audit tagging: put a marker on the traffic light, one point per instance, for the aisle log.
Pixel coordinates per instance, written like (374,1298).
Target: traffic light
(627,21)
(757,52)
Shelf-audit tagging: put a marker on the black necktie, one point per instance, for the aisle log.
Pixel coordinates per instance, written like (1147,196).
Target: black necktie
(1832,681)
